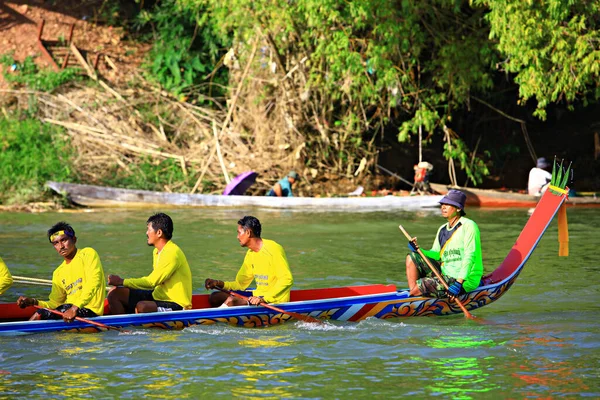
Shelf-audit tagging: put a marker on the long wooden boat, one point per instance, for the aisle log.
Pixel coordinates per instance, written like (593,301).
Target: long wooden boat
(497,198)
(342,304)
(99,196)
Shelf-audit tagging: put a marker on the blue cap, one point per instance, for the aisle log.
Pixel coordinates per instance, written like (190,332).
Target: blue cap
(542,163)
(454,198)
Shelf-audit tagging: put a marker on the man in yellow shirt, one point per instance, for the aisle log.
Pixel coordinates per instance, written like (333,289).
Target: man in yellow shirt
(6,279)
(167,288)
(77,284)
(265,263)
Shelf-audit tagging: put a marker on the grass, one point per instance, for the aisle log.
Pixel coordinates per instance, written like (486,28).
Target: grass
(31,153)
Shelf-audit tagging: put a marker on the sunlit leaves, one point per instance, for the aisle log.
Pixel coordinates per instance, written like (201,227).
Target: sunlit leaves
(553,46)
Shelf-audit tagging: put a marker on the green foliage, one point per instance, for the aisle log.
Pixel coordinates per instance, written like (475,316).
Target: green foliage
(28,74)
(368,61)
(368,64)
(473,166)
(186,47)
(31,153)
(553,47)
(149,174)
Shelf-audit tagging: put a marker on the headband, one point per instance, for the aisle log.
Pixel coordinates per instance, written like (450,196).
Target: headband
(60,233)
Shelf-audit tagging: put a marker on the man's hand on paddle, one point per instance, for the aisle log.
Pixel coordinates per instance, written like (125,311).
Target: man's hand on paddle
(24,302)
(70,314)
(454,290)
(412,245)
(256,300)
(213,284)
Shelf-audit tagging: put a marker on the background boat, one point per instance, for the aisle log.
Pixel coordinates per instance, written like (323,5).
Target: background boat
(99,196)
(497,198)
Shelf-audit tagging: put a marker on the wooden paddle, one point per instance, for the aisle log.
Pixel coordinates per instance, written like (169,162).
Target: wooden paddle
(305,318)
(438,275)
(87,321)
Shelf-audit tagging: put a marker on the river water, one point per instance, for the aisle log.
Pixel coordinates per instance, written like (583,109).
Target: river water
(540,340)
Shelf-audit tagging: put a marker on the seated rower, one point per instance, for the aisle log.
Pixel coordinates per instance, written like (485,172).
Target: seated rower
(169,285)
(456,247)
(77,284)
(265,263)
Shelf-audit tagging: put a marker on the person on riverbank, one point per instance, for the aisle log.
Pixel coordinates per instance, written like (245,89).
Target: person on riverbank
(283,187)
(456,248)
(265,263)
(169,285)
(539,178)
(77,284)
(6,279)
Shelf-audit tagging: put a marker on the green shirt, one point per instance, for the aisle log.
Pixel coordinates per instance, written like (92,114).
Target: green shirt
(460,255)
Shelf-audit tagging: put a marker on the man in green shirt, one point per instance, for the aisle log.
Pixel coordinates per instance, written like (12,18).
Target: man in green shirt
(456,248)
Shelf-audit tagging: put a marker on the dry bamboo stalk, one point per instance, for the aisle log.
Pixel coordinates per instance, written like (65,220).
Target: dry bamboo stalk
(81,110)
(96,132)
(91,73)
(229,113)
(218,147)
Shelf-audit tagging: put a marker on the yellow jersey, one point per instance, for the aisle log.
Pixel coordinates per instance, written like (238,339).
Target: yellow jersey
(6,279)
(171,277)
(270,269)
(80,282)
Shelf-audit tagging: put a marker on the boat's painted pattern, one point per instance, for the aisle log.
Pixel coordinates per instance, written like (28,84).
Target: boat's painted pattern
(351,304)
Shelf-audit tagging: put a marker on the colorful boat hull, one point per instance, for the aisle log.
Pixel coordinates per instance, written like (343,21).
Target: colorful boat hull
(341,304)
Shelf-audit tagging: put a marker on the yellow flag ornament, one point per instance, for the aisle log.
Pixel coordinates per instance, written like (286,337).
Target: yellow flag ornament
(558,186)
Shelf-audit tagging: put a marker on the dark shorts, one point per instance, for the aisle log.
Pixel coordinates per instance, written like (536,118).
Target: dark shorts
(137,295)
(81,313)
(428,283)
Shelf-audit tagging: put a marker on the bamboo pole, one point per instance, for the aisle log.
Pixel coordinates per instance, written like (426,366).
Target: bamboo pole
(229,113)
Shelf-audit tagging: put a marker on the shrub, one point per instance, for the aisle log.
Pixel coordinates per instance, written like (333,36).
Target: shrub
(28,74)
(31,153)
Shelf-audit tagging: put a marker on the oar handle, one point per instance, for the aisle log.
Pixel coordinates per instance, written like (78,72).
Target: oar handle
(437,274)
(25,278)
(37,281)
(306,318)
(87,321)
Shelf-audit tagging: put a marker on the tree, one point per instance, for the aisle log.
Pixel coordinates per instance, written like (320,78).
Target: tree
(553,47)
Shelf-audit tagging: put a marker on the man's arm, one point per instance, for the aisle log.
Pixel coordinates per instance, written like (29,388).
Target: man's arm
(434,253)
(243,279)
(163,271)
(58,295)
